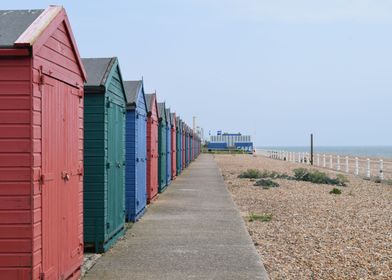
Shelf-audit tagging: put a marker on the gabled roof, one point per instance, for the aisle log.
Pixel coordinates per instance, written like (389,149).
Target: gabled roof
(13,23)
(168,118)
(173,119)
(98,70)
(22,31)
(132,88)
(162,110)
(151,100)
(178,121)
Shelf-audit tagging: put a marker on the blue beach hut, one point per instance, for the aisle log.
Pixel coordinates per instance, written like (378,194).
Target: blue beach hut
(168,147)
(136,151)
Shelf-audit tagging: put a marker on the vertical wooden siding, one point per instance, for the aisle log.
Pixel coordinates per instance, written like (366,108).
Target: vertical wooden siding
(152,154)
(162,154)
(168,152)
(57,58)
(115,145)
(173,150)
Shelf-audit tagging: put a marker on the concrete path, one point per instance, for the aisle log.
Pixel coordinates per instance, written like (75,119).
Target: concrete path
(193,231)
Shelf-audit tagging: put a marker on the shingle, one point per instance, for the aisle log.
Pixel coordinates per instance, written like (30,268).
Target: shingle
(13,23)
(149,98)
(162,110)
(168,119)
(131,90)
(97,70)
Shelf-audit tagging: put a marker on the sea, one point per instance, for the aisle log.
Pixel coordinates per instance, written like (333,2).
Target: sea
(359,151)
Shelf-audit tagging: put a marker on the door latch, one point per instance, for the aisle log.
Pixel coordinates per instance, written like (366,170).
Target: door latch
(65,176)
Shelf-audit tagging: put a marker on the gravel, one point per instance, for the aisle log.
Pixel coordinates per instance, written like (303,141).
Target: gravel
(314,234)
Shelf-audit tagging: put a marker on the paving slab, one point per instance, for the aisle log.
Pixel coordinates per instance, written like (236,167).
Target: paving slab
(193,231)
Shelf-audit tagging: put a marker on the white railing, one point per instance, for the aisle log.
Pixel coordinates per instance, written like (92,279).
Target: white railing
(366,167)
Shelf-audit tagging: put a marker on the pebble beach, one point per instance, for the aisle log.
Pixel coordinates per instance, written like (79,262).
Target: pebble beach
(314,234)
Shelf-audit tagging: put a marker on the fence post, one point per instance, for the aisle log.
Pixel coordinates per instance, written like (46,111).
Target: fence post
(318,159)
(356,166)
(338,163)
(330,162)
(346,164)
(368,168)
(324,161)
(381,169)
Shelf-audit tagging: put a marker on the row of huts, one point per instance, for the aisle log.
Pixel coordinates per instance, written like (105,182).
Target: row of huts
(82,151)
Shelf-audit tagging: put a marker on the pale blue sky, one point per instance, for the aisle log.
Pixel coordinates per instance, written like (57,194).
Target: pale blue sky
(276,69)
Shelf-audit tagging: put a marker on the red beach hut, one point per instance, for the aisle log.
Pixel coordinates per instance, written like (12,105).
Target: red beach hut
(41,146)
(152,146)
(183,145)
(173,145)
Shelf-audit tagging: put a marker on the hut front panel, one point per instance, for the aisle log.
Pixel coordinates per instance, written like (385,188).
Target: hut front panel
(136,190)
(168,153)
(178,150)
(141,179)
(115,155)
(173,152)
(183,145)
(152,155)
(162,155)
(56,72)
(19,197)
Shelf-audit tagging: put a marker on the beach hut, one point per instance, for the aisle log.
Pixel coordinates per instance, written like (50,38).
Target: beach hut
(190,145)
(186,145)
(183,127)
(162,147)
(41,146)
(136,151)
(152,146)
(178,145)
(104,154)
(173,146)
(168,147)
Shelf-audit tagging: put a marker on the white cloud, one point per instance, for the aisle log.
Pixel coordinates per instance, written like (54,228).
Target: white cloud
(369,11)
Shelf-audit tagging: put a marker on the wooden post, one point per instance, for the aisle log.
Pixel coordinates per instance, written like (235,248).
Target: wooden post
(356,166)
(311,148)
(368,168)
(330,162)
(346,164)
(318,159)
(381,169)
(324,161)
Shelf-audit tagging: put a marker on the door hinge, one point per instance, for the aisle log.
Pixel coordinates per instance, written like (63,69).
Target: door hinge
(108,104)
(44,178)
(80,171)
(41,77)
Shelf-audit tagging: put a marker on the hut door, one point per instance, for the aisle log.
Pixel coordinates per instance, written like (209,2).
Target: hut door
(60,182)
(115,166)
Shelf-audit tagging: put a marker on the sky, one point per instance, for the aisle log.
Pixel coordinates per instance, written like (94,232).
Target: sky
(277,70)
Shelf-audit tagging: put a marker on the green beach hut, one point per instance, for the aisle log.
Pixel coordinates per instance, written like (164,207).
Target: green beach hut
(104,154)
(162,147)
